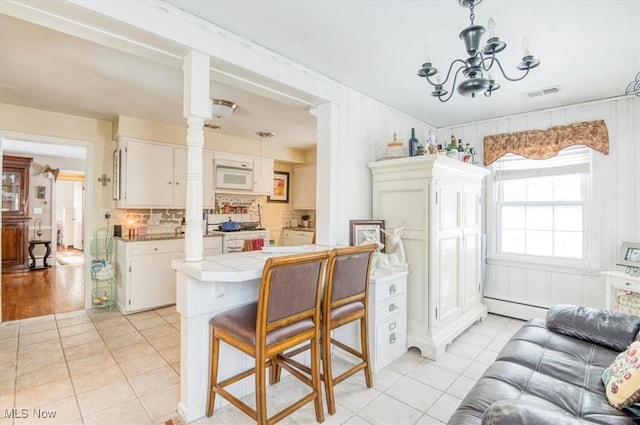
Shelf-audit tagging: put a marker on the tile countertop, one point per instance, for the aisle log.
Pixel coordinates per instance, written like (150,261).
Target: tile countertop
(158,237)
(236,266)
(303,229)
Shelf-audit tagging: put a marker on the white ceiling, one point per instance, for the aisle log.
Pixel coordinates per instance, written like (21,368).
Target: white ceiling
(591,49)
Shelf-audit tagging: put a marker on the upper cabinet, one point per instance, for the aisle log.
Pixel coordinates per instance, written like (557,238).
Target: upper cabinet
(263,176)
(304,187)
(15,186)
(151,174)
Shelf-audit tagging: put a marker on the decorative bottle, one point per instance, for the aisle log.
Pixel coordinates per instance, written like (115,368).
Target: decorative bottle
(460,150)
(413,143)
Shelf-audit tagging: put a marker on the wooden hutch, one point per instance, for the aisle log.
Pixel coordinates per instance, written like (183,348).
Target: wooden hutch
(15,213)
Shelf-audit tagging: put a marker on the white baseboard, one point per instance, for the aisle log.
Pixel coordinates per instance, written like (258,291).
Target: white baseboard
(515,310)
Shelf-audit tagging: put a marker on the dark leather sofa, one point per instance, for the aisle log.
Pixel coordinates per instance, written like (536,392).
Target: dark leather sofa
(550,372)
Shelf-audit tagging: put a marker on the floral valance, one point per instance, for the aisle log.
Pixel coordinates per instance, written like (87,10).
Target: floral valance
(543,144)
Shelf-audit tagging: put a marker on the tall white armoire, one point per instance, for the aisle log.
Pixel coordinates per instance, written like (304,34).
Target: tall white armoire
(439,200)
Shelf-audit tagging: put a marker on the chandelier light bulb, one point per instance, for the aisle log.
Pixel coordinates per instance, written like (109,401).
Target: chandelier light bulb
(491,27)
(525,46)
(427,53)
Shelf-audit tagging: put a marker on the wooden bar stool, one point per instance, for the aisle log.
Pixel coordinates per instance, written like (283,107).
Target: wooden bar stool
(286,314)
(345,299)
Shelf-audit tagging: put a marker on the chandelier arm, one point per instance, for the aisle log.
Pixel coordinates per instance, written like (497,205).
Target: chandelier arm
(506,76)
(453,85)
(493,60)
(464,65)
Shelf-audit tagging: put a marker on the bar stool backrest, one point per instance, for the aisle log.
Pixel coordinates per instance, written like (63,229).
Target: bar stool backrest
(349,272)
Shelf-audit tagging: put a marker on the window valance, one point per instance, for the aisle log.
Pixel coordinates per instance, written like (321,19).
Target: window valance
(543,144)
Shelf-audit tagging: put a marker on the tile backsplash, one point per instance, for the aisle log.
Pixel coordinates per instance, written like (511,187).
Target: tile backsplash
(293,218)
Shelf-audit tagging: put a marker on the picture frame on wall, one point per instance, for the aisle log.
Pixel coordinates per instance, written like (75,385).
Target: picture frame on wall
(363,230)
(280,187)
(41,192)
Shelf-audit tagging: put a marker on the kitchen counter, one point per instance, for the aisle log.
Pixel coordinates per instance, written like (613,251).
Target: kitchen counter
(159,237)
(301,229)
(204,289)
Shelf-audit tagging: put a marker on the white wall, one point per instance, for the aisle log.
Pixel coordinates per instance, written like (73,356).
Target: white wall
(614,209)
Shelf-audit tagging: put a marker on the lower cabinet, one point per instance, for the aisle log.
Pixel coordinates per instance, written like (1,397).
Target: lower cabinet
(387,321)
(14,245)
(297,237)
(144,277)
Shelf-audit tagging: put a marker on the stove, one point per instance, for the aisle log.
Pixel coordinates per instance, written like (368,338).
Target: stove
(235,240)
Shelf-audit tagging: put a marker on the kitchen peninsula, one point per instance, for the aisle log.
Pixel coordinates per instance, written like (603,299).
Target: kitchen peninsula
(204,289)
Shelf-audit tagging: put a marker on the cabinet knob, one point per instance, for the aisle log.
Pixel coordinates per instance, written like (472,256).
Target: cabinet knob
(168,182)
(392,326)
(392,289)
(627,283)
(177,183)
(393,307)
(155,249)
(392,338)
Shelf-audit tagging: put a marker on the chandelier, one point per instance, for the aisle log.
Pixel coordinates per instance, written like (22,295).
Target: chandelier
(478,62)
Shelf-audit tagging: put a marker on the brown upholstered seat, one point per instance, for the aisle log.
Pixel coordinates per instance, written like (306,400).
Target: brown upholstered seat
(345,299)
(286,314)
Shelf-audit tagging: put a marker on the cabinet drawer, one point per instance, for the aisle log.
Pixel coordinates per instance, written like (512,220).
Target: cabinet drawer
(391,340)
(625,284)
(388,289)
(390,307)
(155,247)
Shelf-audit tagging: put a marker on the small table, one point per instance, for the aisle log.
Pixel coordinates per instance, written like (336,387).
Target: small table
(47,245)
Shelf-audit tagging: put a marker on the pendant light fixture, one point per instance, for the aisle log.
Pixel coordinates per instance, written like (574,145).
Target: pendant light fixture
(478,62)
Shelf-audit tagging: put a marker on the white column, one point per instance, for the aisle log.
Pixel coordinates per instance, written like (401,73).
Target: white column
(196,108)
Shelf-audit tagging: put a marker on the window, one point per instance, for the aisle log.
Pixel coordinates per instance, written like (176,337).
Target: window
(541,204)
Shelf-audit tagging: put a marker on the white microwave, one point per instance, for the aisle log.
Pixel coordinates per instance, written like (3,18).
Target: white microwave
(233,175)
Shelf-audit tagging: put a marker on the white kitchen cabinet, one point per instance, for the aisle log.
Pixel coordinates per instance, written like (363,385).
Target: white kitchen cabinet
(387,319)
(263,176)
(212,246)
(297,237)
(144,277)
(439,200)
(304,187)
(151,174)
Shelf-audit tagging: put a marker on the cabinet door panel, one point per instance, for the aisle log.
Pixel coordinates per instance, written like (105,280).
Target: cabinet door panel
(180,177)
(449,267)
(149,178)
(153,281)
(304,187)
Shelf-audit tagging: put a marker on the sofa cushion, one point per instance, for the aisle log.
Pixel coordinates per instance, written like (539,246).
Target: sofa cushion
(554,372)
(622,378)
(610,329)
(517,412)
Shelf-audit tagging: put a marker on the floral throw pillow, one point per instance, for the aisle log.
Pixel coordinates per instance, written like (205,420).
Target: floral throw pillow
(622,378)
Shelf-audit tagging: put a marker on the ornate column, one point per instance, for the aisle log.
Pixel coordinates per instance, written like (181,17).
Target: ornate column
(196,108)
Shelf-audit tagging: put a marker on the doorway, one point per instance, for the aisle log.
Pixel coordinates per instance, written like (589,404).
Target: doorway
(68,218)
(61,287)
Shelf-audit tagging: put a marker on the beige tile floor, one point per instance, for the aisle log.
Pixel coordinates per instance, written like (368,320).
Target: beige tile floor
(105,368)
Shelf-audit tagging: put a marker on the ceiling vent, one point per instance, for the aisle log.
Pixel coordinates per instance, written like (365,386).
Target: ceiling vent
(543,92)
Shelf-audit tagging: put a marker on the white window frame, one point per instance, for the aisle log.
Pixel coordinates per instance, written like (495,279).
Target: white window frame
(496,256)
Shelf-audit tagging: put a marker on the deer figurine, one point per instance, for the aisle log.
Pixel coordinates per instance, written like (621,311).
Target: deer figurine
(387,263)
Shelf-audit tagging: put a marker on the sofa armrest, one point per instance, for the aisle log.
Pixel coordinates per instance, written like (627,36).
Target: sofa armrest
(603,327)
(518,412)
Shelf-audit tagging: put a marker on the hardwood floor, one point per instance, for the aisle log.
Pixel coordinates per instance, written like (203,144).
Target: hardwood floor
(41,292)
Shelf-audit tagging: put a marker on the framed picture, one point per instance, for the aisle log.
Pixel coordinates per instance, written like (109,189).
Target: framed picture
(116,174)
(364,231)
(630,254)
(41,192)
(280,187)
